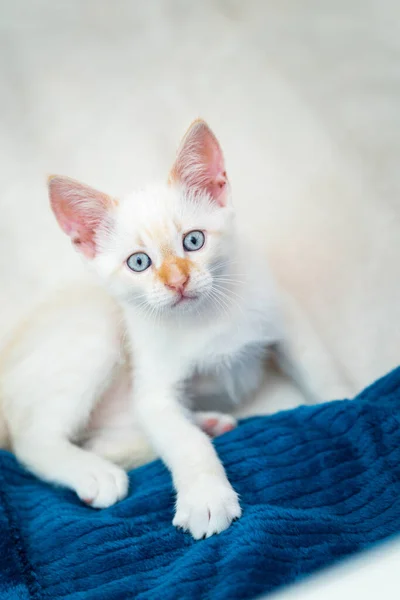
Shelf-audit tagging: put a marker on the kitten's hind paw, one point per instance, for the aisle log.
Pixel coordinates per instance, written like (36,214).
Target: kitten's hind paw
(215,423)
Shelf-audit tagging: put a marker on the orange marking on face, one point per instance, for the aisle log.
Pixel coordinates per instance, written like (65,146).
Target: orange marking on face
(139,242)
(178,226)
(173,270)
(157,231)
(161,234)
(166,251)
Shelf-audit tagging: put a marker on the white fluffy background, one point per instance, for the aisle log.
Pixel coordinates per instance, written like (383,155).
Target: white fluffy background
(305,98)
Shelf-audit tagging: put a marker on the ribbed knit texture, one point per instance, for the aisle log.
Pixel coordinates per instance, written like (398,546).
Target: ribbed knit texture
(316,484)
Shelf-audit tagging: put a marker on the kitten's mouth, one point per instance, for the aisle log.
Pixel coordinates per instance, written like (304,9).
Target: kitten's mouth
(183,299)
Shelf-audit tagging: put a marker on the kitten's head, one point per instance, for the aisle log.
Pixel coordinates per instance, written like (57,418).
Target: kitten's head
(167,248)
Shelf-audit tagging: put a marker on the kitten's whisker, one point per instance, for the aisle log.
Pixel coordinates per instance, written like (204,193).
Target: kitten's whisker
(228,292)
(228,299)
(220,301)
(216,302)
(229,280)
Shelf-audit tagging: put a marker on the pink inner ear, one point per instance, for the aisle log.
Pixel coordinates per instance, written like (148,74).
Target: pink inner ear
(200,163)
(79,210)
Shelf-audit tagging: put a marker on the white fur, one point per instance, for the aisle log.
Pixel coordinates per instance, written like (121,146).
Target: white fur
(104,373)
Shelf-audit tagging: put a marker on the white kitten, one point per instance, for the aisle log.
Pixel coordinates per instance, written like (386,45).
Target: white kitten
(182,312)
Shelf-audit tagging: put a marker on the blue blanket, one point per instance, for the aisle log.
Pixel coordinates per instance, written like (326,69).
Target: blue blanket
(316,484)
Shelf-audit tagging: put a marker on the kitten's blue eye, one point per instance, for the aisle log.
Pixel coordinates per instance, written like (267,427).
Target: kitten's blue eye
(139,261)
(194,240)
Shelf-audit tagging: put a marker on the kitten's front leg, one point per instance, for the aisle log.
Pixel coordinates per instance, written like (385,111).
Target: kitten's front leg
(206,502)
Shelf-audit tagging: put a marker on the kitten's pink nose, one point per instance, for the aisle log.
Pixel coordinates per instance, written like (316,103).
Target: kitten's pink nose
(175,273)
(177,279)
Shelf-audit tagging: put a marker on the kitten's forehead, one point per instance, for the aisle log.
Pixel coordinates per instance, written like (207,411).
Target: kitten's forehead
(161,207)
(150,203)
(152,215)
(155,218)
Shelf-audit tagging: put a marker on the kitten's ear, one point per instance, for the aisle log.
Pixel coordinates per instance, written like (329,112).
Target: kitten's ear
(200,163)
(79,210)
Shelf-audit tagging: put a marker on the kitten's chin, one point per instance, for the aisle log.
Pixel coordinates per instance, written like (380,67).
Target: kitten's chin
(184,300)
(191,304)
(185,305)
(174,308)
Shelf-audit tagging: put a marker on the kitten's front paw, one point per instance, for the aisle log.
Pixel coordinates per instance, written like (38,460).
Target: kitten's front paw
(101,484)
(208,506)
